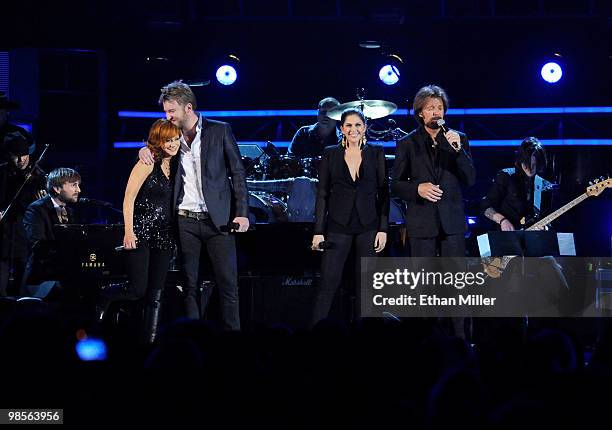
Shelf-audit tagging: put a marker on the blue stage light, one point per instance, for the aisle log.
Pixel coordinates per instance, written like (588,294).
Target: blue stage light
(226,75)
(389,74)
(91,350)
(391,144)
(551,72)
(399,112)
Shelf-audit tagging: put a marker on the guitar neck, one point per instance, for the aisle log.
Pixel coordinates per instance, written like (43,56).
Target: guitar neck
(556,214)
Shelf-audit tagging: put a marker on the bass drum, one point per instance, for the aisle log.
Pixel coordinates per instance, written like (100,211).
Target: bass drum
(264,208)
(283,167)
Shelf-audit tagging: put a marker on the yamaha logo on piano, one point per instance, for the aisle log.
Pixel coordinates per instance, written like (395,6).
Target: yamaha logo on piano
(92,263)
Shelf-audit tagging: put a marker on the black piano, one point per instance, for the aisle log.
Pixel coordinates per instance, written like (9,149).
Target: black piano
(81,257)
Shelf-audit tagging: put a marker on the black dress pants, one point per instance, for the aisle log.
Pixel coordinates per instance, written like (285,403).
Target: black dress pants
(445,245)
(332,266)
(196,236)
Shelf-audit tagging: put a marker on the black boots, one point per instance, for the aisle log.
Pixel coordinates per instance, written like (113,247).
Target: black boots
(152,308)
(108,294)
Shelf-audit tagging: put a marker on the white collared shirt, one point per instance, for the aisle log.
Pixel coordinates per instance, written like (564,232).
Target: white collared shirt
(191,172)
(58,208)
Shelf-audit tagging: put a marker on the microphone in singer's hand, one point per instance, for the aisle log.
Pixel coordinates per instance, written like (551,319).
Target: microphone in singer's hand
(323,245)
(442,124)
(232,226)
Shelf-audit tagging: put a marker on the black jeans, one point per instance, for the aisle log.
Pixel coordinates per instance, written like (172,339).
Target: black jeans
(332,266)
(194,235)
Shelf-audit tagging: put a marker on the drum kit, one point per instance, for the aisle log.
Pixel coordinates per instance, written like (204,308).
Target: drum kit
(282,167)
(273,166)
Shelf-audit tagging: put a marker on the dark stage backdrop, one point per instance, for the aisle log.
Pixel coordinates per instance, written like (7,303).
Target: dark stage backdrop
(76,64)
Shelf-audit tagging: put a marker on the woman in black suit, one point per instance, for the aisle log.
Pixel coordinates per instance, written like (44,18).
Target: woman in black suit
(352,206)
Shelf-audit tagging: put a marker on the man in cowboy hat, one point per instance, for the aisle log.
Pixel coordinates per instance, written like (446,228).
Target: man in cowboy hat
(6,127)
(13,242)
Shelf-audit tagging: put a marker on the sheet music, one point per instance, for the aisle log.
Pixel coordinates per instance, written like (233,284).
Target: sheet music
(484,246)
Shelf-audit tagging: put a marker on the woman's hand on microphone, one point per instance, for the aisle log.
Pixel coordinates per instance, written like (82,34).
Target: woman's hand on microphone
(316,240)
(129,240)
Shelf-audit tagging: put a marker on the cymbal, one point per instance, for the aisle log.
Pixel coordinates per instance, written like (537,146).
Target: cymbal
(372,109)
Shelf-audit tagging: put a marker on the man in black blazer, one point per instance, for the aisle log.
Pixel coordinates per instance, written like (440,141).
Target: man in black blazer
(63,186)
(429,172)
(206,199)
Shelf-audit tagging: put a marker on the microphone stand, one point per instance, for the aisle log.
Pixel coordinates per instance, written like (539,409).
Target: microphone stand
(114,209)
(28,176)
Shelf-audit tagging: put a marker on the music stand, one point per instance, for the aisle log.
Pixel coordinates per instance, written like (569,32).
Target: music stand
(537,284)
(526,243)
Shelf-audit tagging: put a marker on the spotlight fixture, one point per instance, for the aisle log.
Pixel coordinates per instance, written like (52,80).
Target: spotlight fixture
(389,73)
(551,72)
(227,73)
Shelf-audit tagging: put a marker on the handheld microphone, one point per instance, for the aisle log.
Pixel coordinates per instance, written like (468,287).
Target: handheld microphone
(232,226)
(324,245)
(442,124)
(122,248)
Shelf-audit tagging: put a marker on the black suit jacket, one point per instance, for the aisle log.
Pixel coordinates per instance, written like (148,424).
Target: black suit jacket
(39,219)
(337,193)
(38,222)
(220,159)
(413,166)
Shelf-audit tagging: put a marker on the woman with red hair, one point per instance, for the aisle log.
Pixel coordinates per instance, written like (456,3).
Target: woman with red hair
(148,240)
